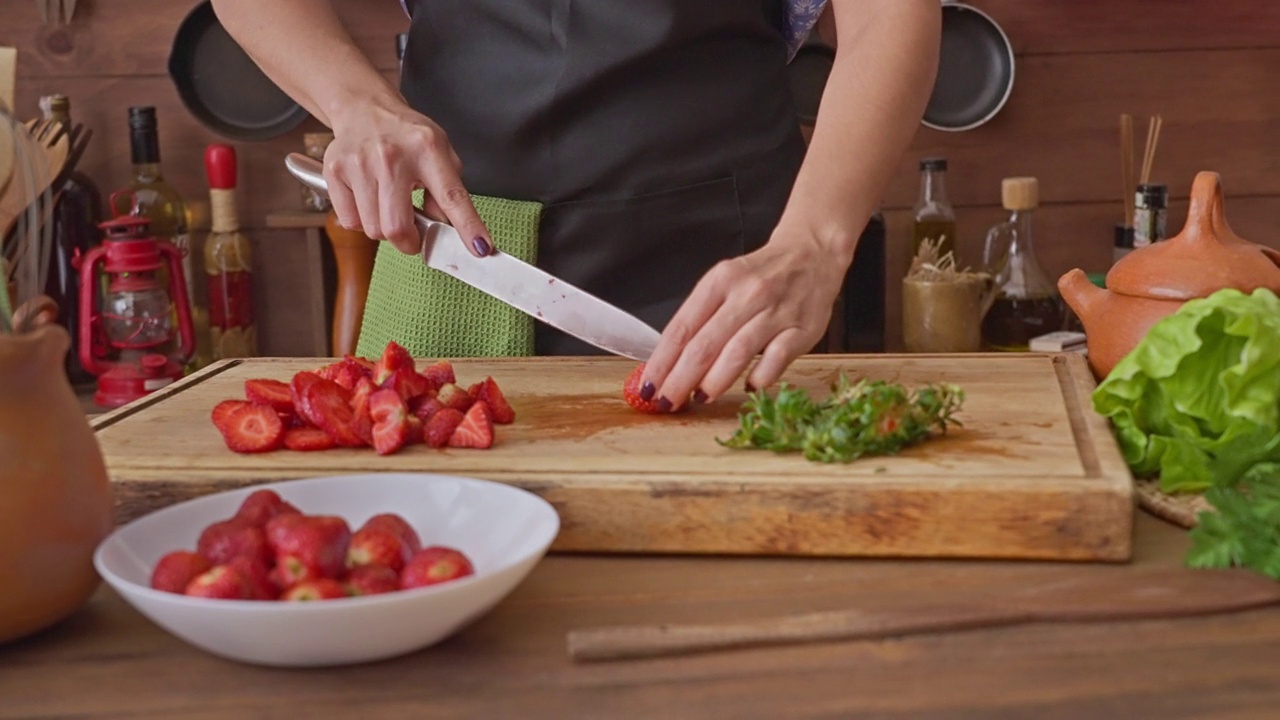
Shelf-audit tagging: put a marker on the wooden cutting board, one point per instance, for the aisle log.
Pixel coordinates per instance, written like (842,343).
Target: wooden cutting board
(1034,472)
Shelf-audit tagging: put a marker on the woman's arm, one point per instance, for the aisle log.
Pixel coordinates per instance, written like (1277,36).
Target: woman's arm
(382,148)
(778,300)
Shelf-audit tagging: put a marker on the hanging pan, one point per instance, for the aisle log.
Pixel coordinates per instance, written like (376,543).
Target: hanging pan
(975,70)
(221,85)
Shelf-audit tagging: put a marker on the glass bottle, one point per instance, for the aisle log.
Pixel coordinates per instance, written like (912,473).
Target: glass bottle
(1150,210)
(76,215)
(228,262)
(160,202)
(933,216)
(1027,302)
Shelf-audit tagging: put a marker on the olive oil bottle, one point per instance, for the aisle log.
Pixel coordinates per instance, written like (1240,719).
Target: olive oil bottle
(1027,302)
(933,217)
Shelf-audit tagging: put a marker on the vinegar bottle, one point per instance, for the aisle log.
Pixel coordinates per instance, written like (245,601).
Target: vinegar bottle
(228,263)
(1027,302)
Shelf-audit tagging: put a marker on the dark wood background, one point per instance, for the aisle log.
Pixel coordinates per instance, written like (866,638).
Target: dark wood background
(1209,68)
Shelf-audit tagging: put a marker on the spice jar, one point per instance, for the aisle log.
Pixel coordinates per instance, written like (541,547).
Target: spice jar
(315,144)
(1150,208)
(943,307)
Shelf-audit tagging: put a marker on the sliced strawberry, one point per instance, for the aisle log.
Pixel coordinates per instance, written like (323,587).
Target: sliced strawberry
(441,426)
(452,396)
(297,390)
(390,421)
(491,395)
(269,392)
(424,408)
(393,358)
(476,430)
(474,390)
(330,371)
(414,430)
(360,409)
(408,384)
(328,407)
(631,392)
(346,376)
(253,429)
(362,366)
(223,410)
(439,373)
(308,439)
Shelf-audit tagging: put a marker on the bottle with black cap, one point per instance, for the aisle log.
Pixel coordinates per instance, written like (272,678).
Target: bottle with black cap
(933,217)
(155,198)
(1150,207)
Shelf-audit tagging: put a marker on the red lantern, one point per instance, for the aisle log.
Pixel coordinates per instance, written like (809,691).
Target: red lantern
(128,341)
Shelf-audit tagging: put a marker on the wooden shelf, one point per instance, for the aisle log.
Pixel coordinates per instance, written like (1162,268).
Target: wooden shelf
(297,219)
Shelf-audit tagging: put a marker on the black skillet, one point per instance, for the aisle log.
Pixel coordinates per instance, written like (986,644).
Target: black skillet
(222,87)
(975,70)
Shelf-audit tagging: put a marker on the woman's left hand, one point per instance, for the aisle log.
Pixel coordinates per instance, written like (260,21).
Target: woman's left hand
(776,301)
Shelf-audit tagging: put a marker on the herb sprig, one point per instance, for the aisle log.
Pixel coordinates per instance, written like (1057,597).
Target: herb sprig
(1244,529)
(859,418)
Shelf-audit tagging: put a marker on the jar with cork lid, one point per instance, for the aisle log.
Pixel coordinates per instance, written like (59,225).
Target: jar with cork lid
(1027,302)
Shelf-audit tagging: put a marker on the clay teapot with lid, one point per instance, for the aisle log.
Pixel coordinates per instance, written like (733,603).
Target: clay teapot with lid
(55,498)
(1153,282)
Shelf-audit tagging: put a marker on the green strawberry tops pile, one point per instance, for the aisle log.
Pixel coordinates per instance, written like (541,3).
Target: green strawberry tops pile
(1197,404)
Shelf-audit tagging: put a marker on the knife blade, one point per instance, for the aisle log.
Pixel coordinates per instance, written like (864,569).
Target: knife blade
(535,292)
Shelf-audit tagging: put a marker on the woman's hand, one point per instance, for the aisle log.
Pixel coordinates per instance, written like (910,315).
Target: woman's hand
(378,156)
(776,301)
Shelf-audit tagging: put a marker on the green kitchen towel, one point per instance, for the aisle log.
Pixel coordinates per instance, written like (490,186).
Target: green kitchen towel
(434,315)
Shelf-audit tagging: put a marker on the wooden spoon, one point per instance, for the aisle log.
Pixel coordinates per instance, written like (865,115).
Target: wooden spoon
(1120,594)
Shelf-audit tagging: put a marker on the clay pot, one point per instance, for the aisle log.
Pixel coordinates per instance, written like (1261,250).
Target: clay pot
(1153,282)
(55,499)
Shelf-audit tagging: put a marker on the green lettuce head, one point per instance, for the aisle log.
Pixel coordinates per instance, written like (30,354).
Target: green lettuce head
(1198,400)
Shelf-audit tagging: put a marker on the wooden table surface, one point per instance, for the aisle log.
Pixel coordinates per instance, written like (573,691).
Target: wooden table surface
(108,661)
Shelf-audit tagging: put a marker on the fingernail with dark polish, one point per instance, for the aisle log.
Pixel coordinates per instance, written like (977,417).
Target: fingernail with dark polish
(482,246)
(749,387)
(646,391)
(664,405)
(699,396)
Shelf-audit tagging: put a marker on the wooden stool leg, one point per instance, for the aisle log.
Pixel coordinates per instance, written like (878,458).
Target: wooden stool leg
(353,253)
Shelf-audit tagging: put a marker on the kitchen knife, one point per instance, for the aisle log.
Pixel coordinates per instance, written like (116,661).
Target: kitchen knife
(516,283)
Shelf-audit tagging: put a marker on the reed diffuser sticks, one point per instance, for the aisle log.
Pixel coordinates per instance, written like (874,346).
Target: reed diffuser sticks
(1128,182)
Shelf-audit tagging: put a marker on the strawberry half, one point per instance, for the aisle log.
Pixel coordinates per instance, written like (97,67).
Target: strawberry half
(476,429)
(308,439)
(452,396)
(393,358)
(491,395)
(390,421)
(252,429)
(424,408)
(269,392)
(408,384)
(631,392)
(440,427)
(439,373)
(360,408)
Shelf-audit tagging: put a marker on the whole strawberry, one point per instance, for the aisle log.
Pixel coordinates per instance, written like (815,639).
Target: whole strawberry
(308,547)
(378,546)
(260,585)
(397,525)
(176,570)
(222,542)
(224,582)
(372,580)
(435,565)
(261,506)
(316,589)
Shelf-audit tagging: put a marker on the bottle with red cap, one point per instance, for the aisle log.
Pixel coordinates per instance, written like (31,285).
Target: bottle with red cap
(227,262)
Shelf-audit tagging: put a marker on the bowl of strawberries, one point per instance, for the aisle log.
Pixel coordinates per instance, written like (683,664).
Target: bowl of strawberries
(331,570)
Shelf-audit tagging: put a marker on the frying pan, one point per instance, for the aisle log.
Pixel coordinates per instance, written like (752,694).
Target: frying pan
(975,70)
(221,85)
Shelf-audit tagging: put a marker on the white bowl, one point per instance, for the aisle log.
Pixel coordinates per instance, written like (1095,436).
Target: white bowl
(504,530)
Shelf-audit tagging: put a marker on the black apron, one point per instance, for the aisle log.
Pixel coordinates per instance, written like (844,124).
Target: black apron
(660,135)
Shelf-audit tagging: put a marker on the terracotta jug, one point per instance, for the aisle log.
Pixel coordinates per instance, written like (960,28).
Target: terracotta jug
(55,499)
(1153,282)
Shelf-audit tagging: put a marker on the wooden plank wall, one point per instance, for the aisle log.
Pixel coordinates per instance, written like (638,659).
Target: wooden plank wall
(1080,64)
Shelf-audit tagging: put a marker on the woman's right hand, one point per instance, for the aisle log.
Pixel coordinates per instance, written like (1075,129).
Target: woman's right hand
(379,155)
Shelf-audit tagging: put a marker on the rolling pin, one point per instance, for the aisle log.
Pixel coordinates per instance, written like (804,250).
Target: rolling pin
(353,254)
(1106,595)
